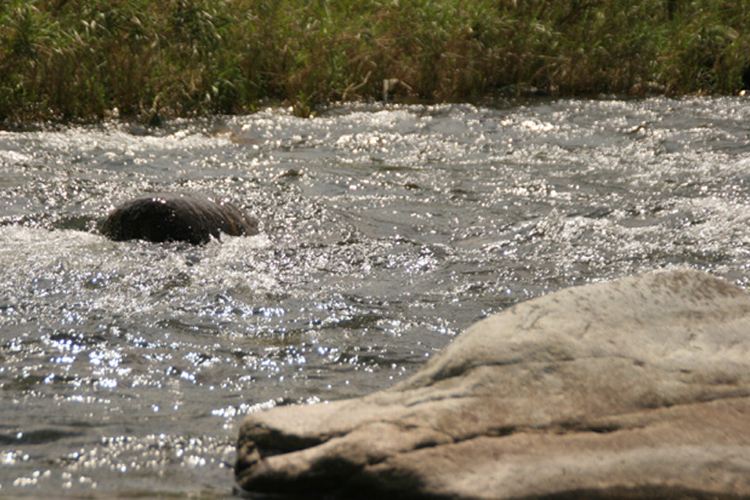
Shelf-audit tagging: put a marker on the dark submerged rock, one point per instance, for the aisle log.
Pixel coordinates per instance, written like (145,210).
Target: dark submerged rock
(638,388)
(193,218)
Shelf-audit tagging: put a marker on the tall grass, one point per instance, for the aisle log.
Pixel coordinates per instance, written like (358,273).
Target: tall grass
(85,59)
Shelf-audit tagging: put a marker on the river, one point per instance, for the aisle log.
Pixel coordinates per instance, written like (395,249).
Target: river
(126,367)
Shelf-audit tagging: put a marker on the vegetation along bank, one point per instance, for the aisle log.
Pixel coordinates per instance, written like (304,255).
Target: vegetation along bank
(84,59)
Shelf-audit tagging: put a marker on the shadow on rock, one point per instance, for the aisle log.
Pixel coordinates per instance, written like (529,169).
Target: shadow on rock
(162,217)
(630,389)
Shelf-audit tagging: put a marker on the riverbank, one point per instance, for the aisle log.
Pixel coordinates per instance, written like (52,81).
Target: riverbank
(87,59)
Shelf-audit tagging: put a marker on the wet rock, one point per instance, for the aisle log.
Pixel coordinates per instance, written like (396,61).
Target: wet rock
(162,217)
(642,89)
(631,389)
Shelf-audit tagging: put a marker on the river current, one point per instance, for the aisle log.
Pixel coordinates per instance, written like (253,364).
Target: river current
(126,367)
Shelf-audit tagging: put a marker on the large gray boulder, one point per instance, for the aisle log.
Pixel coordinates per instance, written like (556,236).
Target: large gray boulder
(638,388)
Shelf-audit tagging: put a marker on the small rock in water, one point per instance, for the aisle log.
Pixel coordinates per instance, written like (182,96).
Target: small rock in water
(162,217)
(630,389)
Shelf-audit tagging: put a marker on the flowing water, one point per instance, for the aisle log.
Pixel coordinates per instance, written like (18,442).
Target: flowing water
(126,367)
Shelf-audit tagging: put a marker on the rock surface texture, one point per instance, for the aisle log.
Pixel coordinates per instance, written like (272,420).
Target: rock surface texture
(638,388)
(162,217)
